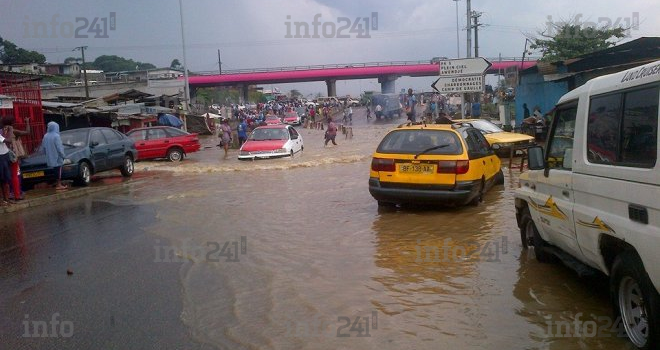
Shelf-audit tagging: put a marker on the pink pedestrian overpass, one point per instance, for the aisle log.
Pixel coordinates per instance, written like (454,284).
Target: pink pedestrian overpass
(385,72)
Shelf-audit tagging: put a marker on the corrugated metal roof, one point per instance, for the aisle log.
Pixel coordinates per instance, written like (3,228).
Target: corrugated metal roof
(50,104)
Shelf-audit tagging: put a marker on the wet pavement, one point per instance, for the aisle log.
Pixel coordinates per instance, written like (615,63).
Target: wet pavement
(285,254)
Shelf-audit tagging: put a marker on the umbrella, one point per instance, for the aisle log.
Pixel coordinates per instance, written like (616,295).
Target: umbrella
(169,120)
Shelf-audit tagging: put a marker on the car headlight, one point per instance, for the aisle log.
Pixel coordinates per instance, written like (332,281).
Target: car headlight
(244,153)
(67,161)
(282,150)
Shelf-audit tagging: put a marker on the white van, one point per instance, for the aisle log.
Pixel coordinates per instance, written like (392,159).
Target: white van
(332,100)
(593,196)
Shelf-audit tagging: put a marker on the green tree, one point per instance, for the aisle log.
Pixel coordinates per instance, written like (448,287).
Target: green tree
(12,54)
(70,60)
(256,96)
(146,66)
(176,64)
(112,63)
(570,39)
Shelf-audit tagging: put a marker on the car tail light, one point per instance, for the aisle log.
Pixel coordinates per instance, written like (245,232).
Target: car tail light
(462,166)
(379,164)
(453,166)
(446,167)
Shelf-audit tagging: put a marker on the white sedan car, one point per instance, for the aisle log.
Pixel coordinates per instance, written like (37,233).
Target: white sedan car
(271,141)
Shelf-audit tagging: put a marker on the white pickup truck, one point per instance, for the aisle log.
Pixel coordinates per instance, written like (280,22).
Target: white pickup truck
(592,198)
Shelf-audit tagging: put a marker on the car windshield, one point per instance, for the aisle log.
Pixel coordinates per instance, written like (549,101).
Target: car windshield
(74,138)
(485,126)
(269,134)
(419,141)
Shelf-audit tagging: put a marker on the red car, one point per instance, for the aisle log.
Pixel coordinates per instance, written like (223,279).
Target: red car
(164,142)
(271,141)
(273,120)
(292,118)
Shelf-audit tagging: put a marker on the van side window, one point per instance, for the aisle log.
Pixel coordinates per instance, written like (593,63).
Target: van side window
(639,145)
(622,128)
(561,143)
(603,129)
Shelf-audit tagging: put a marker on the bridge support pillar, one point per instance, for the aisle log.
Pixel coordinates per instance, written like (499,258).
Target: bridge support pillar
(387,84)
(244,93)
(332,87)
(193,93)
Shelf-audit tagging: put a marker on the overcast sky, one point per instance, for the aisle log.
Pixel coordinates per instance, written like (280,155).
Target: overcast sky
(253,33)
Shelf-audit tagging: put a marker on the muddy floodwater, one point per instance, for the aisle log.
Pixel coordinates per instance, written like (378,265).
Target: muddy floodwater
(288,254)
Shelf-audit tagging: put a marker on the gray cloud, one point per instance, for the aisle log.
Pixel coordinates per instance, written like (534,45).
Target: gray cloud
(252,33)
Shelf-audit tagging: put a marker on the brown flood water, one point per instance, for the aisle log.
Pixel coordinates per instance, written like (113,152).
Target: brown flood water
(321,260)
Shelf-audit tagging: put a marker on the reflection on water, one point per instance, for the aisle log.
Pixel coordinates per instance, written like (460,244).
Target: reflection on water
(320,255)
(321,252)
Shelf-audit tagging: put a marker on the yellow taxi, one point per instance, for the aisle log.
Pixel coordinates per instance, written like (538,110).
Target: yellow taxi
(496,136)
(433,164)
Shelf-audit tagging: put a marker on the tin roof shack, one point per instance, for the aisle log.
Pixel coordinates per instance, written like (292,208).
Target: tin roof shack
(26,68)
(68,115)
(122,117)
(144,75)
(543,84)
(93,76)
(136,115)
(68,69)
(126,76)
(123,111)
(164,74)
(25,102)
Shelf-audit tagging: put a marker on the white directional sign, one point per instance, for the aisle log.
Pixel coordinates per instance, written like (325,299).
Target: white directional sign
(465,83)
(465,66)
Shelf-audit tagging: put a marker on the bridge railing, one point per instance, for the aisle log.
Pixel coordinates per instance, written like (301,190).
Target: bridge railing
(340,65)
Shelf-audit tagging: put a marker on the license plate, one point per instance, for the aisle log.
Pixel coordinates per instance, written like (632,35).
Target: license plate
(33,174)
(417,168)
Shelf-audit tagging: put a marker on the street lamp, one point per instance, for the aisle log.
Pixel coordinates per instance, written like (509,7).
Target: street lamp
(186,88)
(458,52)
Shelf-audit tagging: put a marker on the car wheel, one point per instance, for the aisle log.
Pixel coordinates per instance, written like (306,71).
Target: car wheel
(480,194)
(530,236)
(635,300)
(174,155)
(382,204)
(499,178)
(128,168)
(84,174)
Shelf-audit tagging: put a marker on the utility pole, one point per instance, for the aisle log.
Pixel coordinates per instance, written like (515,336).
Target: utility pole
(475,16)
(219,63)
(82,51)
(476,25)
(469,30)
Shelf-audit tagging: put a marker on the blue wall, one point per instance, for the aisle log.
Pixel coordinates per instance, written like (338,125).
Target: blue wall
(536,92)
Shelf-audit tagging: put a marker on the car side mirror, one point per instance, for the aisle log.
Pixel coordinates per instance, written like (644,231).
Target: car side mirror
(496,146)
(536,161)
(93,144)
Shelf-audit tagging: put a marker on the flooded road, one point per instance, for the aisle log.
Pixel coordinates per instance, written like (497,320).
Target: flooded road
(286,254)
